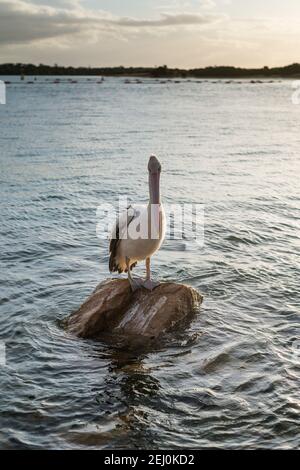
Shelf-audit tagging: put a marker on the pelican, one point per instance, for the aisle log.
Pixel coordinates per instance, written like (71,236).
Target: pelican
(128,243)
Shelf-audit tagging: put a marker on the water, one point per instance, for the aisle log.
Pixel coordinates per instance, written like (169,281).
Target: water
(230,379)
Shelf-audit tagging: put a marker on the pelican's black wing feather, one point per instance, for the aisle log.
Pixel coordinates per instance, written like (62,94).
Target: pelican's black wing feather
(115,242)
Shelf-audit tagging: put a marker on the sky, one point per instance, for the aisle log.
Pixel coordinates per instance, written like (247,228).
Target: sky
(185,34)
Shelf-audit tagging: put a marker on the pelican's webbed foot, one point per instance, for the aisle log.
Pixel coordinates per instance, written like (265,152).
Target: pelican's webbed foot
(150,285)
(136,283)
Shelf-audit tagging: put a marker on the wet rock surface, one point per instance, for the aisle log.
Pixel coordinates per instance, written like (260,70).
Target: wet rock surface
(114,308)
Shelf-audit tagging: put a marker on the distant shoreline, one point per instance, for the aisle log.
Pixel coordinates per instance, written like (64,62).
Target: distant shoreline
(289,71)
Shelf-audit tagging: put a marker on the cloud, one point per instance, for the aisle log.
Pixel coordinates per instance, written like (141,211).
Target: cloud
(24,22)
(184,33)
(186,5)
(167,19)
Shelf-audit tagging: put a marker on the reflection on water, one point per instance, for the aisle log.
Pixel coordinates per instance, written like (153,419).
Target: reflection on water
(230,377)
(126,390)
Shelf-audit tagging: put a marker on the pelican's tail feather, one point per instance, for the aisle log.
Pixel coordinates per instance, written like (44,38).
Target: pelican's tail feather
(113,262)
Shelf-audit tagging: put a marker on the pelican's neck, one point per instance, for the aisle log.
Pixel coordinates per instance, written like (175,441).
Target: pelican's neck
(154,188)
(154,207)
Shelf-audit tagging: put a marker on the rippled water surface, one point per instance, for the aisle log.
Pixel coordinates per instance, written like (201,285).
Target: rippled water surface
(231,378)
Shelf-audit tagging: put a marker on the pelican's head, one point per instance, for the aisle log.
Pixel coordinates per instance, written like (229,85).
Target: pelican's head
(154,169)
(153,165)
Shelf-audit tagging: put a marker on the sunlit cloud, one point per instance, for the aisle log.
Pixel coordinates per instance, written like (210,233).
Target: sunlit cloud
(187,33)
(167,19)
(21,21)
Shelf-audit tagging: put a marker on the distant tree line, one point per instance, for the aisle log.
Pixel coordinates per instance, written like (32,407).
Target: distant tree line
(292,70)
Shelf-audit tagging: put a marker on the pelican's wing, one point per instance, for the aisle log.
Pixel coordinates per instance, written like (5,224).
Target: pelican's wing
(117,234)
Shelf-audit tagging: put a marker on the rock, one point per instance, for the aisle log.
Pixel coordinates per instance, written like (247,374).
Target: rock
(114,308)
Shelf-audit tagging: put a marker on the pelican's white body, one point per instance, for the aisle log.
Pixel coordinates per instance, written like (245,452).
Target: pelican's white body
(132,246)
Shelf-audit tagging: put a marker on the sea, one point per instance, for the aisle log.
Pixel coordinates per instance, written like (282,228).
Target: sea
(228,379)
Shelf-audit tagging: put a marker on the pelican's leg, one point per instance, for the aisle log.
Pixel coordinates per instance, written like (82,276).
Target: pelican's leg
(149,284)
(148,270)
(135,283)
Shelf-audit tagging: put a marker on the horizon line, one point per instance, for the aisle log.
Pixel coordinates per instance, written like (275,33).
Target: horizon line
(165,66)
